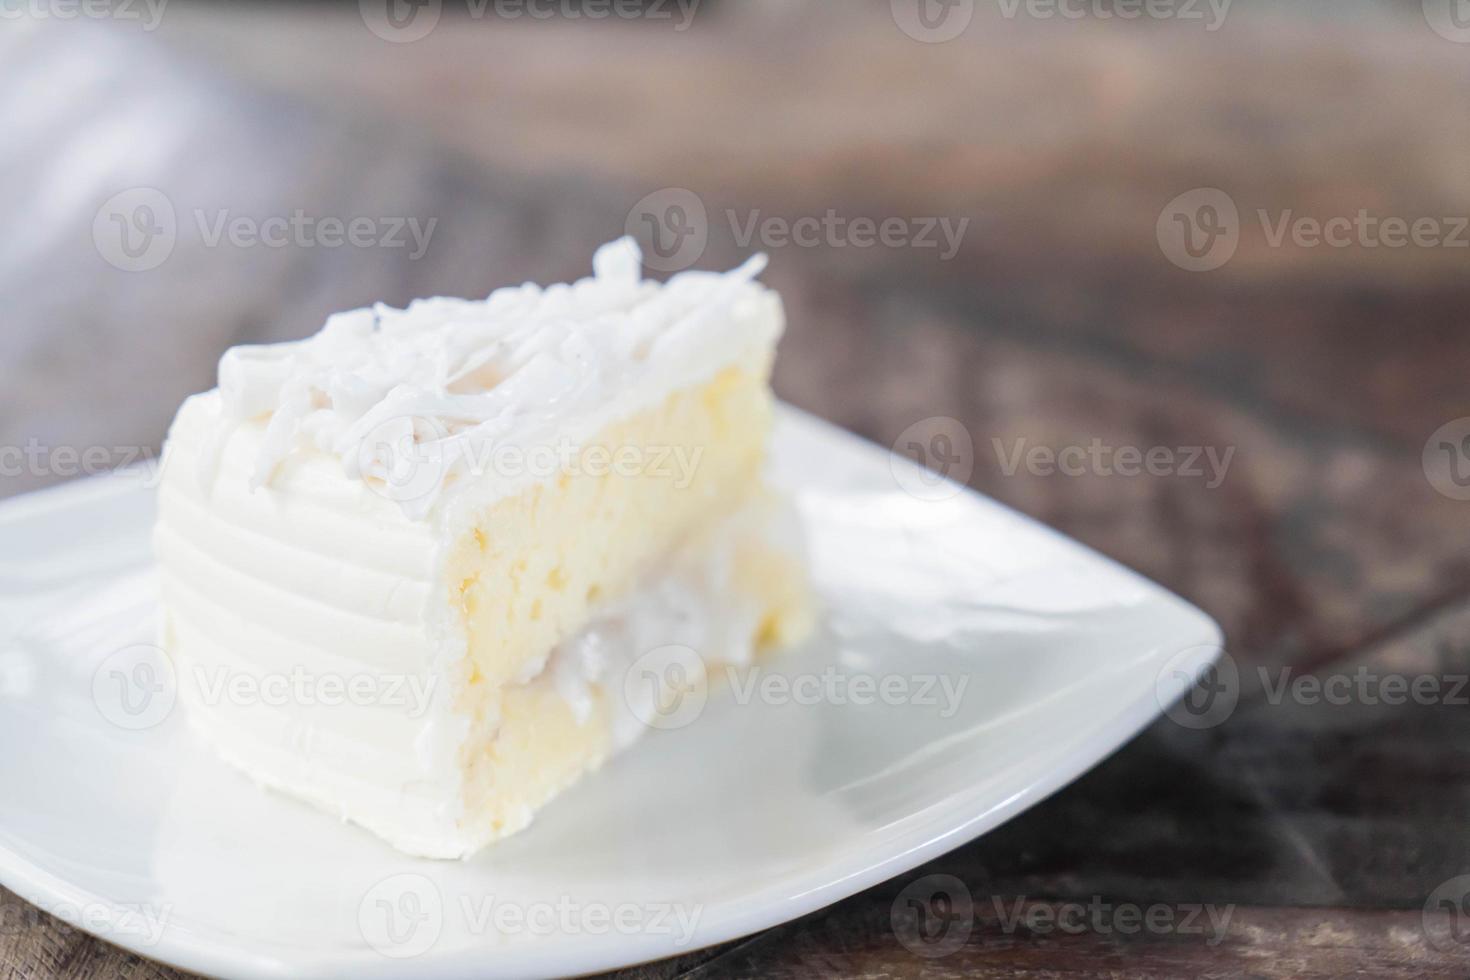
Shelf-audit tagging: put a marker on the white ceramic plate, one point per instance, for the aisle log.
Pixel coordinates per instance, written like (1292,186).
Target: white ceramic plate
(1001,661)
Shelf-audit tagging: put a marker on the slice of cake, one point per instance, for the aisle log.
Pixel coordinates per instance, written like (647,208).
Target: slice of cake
(430,566)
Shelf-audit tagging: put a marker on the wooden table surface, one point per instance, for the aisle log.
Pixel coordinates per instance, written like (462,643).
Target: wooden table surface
(1330,548)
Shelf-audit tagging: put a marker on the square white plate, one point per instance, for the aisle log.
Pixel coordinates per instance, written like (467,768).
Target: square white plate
(972,663)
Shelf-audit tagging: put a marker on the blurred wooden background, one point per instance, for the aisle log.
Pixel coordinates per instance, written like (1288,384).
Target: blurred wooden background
(1059,320)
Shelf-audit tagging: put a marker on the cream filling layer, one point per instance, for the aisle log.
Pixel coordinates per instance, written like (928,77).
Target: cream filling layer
(640,655)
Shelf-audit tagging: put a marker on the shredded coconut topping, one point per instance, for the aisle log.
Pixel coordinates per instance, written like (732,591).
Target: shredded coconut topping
(425,388)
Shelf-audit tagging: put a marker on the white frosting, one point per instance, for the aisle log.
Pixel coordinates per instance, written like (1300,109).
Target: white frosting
(689,606)
(329,576)
(429,390)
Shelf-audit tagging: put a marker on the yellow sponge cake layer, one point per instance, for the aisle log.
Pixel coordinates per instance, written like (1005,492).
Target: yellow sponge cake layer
(537,565)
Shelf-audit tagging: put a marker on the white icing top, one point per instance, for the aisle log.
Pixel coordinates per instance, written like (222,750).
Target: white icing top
(412,399)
